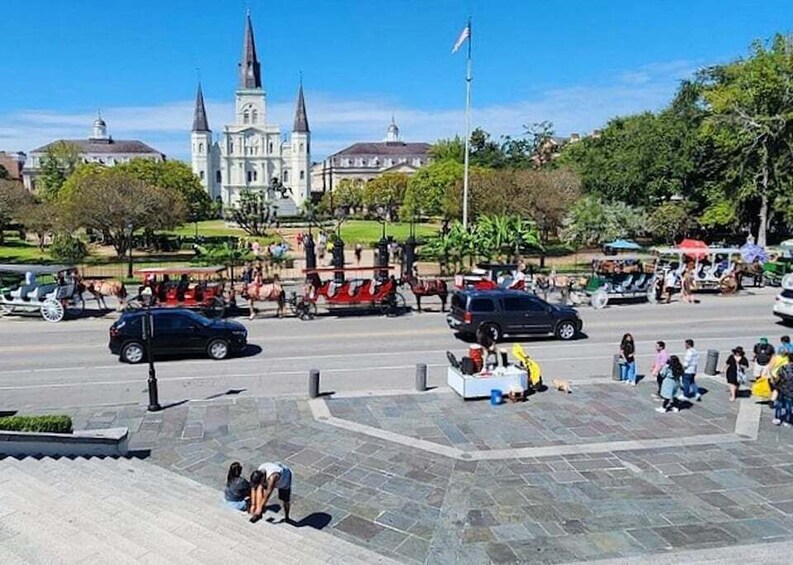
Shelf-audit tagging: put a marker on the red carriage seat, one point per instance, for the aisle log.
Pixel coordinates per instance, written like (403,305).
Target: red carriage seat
(354,286)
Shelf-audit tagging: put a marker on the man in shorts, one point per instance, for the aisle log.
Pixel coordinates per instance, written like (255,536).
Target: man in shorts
(264,481)
(763,352)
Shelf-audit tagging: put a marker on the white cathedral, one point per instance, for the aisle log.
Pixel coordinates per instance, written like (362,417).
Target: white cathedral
(250,153)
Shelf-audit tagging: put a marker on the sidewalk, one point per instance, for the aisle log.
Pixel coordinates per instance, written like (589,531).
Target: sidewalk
(599,496)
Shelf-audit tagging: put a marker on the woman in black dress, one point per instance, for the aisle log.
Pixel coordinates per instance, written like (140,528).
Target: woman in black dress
(736,368)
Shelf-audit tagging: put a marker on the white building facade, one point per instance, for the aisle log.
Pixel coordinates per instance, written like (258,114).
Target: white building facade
(250,153)
(99,148)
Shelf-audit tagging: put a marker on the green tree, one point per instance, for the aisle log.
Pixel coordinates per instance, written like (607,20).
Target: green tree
(448,149)
(58,163)
(387,192)
(751,104)
(348,194)
(115,203)
(672,221)
(253,213)
(39,218)
(593,221)
(178,177)
(68,249)
(426,191)
(13,197)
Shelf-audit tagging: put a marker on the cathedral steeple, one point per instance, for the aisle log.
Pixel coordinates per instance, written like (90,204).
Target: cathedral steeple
(200,122)
(250,70)
(301,119)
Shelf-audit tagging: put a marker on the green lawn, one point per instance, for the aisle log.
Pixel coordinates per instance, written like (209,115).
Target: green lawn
(16,251)
(368,232)
(208,228)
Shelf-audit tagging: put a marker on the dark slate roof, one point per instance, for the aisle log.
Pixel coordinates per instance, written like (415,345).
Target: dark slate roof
(301,119)
(385,148)
(250,70)
(200,122)
(104,146)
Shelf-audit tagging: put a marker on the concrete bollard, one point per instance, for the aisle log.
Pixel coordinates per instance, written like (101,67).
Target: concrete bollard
(712,362)
(313,383)
(615,369)
(421,377)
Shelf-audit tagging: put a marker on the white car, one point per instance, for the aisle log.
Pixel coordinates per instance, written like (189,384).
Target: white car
(783,307)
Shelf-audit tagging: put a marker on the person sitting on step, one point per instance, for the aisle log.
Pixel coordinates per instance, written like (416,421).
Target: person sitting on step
(237,489)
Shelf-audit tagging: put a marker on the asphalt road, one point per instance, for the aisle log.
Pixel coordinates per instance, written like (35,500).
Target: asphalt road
(68,364)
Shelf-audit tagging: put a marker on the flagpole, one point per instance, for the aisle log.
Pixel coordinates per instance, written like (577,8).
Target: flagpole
(468,80)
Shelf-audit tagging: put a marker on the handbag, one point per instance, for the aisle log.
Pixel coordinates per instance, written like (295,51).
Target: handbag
(762,388)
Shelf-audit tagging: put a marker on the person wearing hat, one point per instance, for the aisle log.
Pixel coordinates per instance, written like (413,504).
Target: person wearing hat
(736,368)
(763,352)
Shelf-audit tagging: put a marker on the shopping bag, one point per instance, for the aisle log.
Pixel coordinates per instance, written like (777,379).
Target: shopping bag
(761,388)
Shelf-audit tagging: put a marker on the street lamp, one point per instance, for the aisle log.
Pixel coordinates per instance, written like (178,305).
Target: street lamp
(130,227)
(148,334)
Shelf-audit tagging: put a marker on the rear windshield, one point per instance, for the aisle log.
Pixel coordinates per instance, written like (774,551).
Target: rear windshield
(787,294)
(482,305)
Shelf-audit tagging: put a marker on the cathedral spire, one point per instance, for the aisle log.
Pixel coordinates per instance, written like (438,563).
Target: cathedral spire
(301,119)
(250,70)
(200,122)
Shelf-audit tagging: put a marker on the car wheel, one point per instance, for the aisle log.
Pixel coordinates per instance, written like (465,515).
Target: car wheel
(490,330)
(132,352)
(218,349)
(566,331)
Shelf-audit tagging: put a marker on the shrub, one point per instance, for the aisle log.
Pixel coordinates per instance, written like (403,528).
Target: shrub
(43,424)
(68,249)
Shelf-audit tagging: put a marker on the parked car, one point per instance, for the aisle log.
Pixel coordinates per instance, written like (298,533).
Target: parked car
(176,331)
(510,312)
(783,306)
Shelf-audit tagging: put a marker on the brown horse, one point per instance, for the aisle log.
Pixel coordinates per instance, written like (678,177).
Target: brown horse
(100,288)
(265,292)
(423,287)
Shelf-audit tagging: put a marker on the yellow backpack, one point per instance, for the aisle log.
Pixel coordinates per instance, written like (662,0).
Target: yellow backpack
(532,367)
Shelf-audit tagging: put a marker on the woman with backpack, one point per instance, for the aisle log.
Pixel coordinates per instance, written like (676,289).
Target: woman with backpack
(737,365)
(670,385)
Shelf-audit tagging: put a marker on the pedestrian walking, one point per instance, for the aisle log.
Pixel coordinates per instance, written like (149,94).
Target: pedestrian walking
(690,363)
(763,352)
(358,253)
(782,385)
(267,478)
(671,373)
(661,359)
(735,371)
(687,286)
(628,360)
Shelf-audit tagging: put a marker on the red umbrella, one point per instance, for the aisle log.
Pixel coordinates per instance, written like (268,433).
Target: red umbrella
(694,248)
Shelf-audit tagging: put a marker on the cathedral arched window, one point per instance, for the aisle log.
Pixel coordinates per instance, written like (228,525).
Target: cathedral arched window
(255,176)
(254,116)
(200,147)
(286,176)
(201,175)
(250,176)
(246,117)
(218,177)
(302,175)
(302,146)
(270,147)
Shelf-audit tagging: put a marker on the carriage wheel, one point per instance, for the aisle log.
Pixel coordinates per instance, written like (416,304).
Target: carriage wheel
(215,308)
(5,308)
(599,299)
(52,310)
(392,305)
(652,297)
(728,285)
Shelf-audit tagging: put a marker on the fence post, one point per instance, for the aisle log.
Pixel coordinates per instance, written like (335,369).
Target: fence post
(313,383)
(421,377)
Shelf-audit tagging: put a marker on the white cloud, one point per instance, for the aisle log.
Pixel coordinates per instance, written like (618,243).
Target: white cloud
(336,122)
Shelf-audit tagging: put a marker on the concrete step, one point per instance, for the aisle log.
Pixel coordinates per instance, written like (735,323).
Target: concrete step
(129,510)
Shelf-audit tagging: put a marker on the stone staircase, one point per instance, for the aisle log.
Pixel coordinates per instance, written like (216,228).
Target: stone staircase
(120,510)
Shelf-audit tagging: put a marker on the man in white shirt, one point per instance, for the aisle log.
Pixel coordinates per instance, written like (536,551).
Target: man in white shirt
(264,481)
(690,362)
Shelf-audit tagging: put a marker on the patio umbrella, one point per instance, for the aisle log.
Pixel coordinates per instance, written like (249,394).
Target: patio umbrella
(623,245)
(694,248)
(752,252)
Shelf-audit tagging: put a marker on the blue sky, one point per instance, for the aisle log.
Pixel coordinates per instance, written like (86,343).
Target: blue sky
(576,63)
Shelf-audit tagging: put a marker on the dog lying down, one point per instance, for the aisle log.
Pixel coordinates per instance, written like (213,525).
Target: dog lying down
(562,386)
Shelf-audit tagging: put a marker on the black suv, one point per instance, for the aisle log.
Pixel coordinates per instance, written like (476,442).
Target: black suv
(175,331)
(501,312)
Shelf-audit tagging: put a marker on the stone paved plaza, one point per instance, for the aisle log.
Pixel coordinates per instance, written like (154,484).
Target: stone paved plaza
(418,506)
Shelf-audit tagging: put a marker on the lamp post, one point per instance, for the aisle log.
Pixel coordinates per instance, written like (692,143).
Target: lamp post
(148,329)
(130,227)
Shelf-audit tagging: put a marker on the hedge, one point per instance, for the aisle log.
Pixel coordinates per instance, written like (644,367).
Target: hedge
(43,424)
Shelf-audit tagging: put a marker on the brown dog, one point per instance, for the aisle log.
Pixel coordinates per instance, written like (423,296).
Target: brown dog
(562,386)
